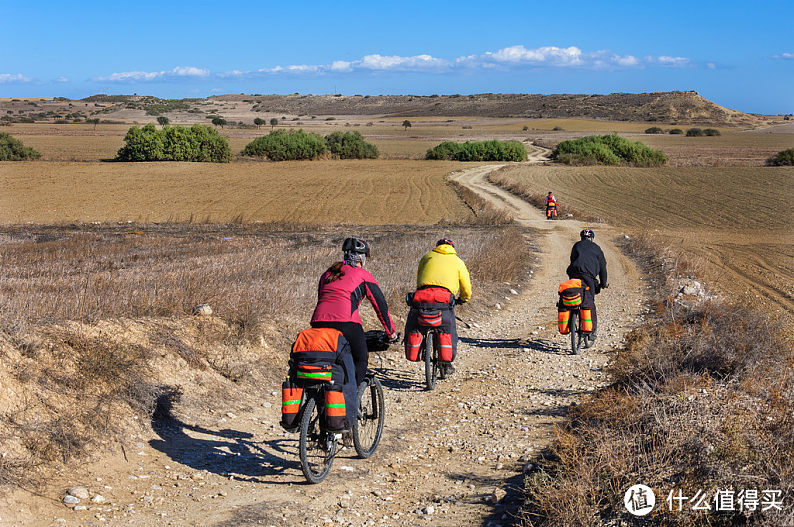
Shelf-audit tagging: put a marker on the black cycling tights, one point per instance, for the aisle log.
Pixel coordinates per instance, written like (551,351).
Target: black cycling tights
(354,334)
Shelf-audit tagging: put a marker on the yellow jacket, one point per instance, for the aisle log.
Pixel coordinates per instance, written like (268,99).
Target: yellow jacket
(442,267)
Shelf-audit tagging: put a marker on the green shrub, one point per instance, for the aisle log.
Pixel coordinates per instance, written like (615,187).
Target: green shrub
(782,158)
(694,132)
(607,150)
(12,149)
(350,145)
(676,131)
(479,151)
(654,130)
(711,132)
(199,143)
(282,145)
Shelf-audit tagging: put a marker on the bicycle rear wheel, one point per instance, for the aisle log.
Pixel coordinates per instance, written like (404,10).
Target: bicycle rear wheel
(431,362)
(316,447)
(576,338)
(368,427)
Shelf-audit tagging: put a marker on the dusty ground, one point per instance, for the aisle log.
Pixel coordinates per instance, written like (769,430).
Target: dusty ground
(444,451)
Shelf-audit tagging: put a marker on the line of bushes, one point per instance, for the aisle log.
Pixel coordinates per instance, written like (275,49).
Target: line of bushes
(609,149)
(12,149)
(293,145)
(494,150)
(697,132)
(198,143)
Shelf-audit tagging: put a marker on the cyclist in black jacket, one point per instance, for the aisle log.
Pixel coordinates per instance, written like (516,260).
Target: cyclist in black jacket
(587,262)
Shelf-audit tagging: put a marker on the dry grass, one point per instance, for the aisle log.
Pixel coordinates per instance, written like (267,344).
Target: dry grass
(702,398)
(342,192)
(485,213)
(736,221)
(94,325)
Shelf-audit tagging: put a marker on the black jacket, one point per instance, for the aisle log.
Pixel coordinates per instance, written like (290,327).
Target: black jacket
(587,258)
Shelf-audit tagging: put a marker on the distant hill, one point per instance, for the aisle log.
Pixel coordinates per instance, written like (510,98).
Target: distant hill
(683,107)
(680,106)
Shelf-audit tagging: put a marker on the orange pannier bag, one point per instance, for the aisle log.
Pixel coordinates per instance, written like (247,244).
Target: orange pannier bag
(563,321)
(291,395)
(571,292)
(586,320)
(335,409)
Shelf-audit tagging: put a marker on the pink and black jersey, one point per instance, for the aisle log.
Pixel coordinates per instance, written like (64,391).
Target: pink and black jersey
(338,301)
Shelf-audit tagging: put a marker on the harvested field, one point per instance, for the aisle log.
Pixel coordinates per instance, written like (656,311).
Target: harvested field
(342,192)
(729,149)
(735,222)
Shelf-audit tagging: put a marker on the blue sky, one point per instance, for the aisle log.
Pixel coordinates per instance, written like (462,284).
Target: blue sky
(737,54)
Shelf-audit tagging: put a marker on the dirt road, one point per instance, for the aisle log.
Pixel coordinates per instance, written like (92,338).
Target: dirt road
(446,455)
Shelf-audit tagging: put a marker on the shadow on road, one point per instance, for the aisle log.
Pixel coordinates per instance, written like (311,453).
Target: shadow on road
(225,452)
(492,343)
(507,511)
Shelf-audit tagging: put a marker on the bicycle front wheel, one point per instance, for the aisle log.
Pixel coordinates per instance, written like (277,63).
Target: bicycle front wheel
(430,360)
(316,448)
(368,427)
(575,335)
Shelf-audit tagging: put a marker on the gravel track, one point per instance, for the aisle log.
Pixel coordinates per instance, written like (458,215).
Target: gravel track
(450,457)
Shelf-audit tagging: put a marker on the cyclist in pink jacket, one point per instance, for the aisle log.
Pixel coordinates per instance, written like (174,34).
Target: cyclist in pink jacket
(342,288)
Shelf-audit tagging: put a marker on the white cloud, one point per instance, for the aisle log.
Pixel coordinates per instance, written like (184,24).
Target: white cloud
(627,60)
(787,56)
(62,79)
(145,76)
(711,66)
(341,65)
(552,55)
(13,77)
(397,63)
(664,60)
(504,59)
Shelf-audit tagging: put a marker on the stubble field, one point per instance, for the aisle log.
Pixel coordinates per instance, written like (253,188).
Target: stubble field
(339,192)
(734,223)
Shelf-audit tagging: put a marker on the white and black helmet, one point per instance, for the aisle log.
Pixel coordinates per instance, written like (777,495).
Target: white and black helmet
(355,245)
(587,233)
(355,251)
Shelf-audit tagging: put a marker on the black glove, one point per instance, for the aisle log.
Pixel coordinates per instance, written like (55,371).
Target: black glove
(604,286)
(459,302)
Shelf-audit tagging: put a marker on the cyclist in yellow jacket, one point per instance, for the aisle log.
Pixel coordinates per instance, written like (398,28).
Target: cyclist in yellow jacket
(441,276)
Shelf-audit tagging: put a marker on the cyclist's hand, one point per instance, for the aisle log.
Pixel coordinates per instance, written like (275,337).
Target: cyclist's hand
(394,337)
(459,302)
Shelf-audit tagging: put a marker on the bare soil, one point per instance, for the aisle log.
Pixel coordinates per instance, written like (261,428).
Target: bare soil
(387,192)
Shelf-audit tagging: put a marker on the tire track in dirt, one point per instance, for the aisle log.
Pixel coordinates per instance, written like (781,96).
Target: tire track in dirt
(446,455)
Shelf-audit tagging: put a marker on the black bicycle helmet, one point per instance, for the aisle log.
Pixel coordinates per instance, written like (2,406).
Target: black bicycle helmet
(356,245)
(587,233)
(445,241)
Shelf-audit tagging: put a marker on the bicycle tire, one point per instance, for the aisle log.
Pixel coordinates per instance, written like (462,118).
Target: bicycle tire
(575,334)
(316,450)
(430,361)
(371,414)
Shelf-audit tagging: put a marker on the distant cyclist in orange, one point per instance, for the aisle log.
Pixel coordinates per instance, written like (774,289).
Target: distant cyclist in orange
(551,205)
